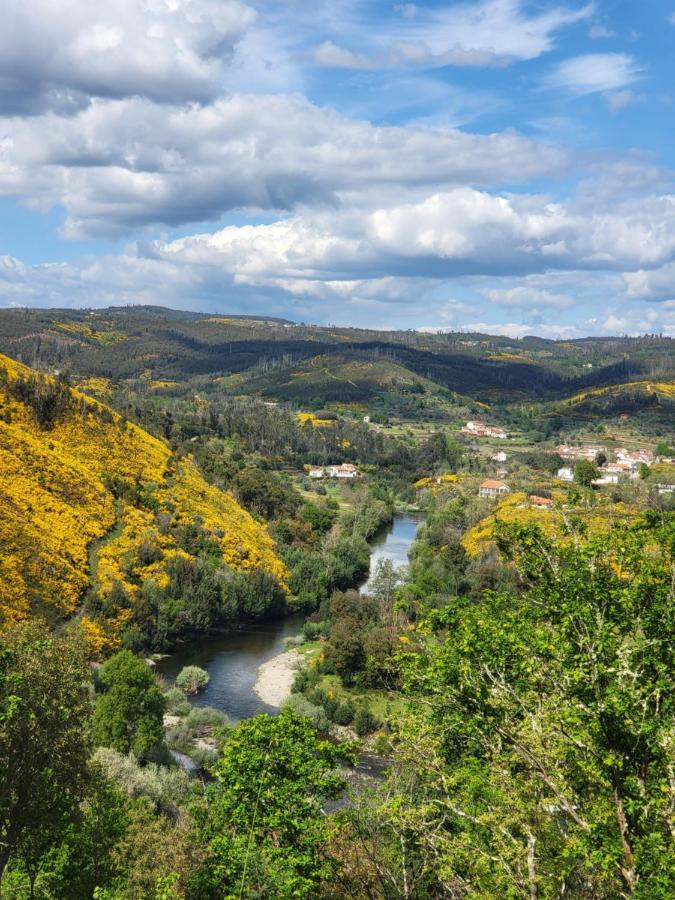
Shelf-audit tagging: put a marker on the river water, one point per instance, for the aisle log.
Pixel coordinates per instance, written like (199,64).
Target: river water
(232,660)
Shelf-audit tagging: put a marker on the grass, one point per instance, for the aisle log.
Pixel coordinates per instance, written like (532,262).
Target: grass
(381,703)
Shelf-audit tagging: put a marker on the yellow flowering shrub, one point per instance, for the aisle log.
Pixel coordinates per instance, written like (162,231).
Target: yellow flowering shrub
(53,498)
(304,417)
(100,386)
(60,523)
(516,509)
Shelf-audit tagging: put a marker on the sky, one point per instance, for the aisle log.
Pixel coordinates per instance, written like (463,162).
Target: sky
(493,165)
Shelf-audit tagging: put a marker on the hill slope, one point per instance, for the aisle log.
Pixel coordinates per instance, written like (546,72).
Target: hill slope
(73,473)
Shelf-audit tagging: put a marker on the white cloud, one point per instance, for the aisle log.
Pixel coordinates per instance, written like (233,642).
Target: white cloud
(655,284)
(120,165)
(526,297)
(330,55)
(59,55)
(446,235)
(594,72)
(598,32)
(515,330)
(619,100)
(485,33)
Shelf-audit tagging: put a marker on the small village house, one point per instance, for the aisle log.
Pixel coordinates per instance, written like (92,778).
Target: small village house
(540,502)
(491,489)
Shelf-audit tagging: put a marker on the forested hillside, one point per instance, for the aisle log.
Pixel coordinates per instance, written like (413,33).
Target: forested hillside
(90,497)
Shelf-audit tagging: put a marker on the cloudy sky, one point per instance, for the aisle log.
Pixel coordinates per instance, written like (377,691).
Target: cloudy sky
(500,165)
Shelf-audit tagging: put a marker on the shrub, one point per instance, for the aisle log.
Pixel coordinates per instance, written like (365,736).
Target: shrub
(176,704)
(304,678)
(301,705)
(365,722)
(344,714)
(191,679)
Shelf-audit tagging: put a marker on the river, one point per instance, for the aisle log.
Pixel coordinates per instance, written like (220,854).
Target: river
(232,660)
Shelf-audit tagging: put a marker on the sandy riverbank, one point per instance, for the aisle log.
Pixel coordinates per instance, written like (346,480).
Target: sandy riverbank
(275,677)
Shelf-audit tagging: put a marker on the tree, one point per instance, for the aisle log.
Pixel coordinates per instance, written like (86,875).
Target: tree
(344,649)
(44,743)
(585,472)
(191,679)
(552,713)
(266,829)
(129,712)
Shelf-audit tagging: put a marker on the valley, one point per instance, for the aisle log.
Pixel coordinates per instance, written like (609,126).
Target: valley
(357,545)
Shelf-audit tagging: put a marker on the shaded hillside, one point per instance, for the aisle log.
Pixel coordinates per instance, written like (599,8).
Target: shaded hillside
(83,493)
(122,344)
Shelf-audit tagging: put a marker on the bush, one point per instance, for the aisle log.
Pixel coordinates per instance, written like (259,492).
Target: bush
(344,714)
(365,722)
(192,679)
(202,722)
(176,704)
(304,678)
(301,705)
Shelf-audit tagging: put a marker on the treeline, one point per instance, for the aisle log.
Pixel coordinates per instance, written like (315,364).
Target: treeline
(227,435)
(50,398)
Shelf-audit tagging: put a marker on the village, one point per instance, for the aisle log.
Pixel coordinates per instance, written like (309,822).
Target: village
(604,466)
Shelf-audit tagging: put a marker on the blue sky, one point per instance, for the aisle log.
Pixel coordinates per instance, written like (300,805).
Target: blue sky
(496,165)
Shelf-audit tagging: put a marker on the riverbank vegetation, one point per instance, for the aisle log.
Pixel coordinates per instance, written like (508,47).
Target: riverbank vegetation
(529,756)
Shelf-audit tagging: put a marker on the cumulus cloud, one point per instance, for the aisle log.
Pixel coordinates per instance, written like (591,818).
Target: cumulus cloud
(657,284)
(594,72)
(60,55)
(120,165)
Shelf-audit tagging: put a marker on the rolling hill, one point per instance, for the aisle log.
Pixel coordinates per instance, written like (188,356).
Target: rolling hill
(191,349)
(84,494)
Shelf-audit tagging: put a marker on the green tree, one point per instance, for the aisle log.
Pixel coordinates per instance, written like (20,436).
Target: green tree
(266,828)
(585,472)
(44,743)
(129,712)
(552,715)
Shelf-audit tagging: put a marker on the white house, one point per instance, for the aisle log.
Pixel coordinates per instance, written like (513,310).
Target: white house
(491,489)
(499,457)
(606,478)
(316,473)
(345,470)
(566,474)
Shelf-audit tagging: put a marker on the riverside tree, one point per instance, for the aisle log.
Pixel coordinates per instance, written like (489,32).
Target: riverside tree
(551,719)
(266,829)
(44,742)
(129,712)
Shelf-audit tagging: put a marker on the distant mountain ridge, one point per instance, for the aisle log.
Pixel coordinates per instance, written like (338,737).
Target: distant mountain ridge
(132,342)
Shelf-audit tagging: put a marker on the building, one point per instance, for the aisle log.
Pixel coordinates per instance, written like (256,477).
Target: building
(480,429)
(588,453)
(345,470)
(316,473)
(566,474)
(606,478)
(491,489)
(540,502)
(636,457)
(499,457)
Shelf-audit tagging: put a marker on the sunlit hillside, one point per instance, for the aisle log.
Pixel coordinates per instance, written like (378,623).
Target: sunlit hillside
(80,487)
